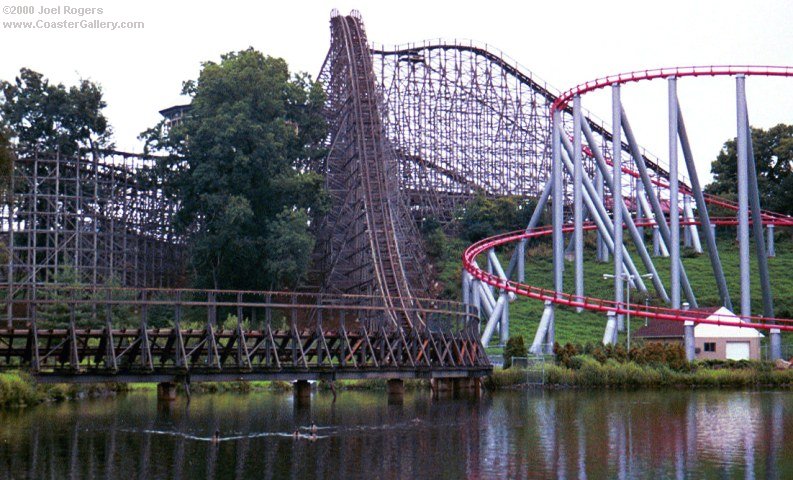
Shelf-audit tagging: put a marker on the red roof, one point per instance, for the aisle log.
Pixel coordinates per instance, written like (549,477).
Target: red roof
(656,328)
(660,328)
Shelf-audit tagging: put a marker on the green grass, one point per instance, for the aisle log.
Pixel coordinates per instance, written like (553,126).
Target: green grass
(587,326)
(17,389)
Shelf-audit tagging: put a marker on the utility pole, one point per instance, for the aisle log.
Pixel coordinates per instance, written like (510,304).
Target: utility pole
(627,278)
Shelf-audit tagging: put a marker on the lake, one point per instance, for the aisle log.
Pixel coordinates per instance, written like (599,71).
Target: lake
(514,434)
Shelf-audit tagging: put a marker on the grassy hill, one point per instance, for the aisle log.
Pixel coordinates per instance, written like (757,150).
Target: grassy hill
(587,326)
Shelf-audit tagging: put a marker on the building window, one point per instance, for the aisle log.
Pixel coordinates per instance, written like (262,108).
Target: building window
(710,346)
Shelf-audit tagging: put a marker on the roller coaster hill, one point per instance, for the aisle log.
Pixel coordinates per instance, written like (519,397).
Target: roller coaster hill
(416,131)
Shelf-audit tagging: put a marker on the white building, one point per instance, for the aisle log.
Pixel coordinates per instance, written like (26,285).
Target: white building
(726,342)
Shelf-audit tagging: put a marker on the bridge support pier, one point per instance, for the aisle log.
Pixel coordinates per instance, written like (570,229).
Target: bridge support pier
(689,344)
(456,387)
(610,335)
(465,386)
(396,390)
(442,387)
(776,344)
(302,392)
(166,391)
(688,337)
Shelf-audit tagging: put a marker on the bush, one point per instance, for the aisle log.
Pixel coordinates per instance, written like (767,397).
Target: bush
(17,389)
(672,355)
(689,252)
(515,348)
(435,241)
(565,354)
(556,375)
(591,373)
(230,323)
(599,355)
(576,362)
(503,379)
(588,372)
(715,364)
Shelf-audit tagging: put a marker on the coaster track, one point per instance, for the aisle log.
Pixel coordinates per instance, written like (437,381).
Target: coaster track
(418,130)
(371,245)
(557,297)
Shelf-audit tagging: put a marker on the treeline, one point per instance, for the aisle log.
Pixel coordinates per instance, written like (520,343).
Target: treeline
(773,155)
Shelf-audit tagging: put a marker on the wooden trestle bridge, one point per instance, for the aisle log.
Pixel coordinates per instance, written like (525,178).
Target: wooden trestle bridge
(158,335)
(370,322)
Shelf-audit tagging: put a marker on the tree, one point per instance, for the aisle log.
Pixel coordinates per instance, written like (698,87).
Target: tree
(773,154)
(7,158)
(6,170)
(238,166)
(484,217)
(50,119)
(515,347)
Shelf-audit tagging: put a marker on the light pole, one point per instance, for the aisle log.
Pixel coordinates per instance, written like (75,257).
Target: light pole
(627,277)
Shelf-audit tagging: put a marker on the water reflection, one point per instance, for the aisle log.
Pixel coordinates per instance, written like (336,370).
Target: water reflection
(571,434)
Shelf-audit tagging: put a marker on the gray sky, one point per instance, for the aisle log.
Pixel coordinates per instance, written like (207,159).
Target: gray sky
(563,42)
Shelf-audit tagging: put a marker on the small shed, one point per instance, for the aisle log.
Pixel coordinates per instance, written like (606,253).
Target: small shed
(726,342)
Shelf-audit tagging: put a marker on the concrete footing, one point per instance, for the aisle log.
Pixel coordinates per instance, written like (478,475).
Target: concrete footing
(455,387)
(302,392)
(776,344)
(166,391)
(463,385)
(396,390)
(442,387)
(688,341)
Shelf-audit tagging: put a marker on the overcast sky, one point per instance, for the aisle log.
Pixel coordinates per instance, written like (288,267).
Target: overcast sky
(563,42)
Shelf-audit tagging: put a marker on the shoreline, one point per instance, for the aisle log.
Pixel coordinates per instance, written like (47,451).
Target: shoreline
(19,390)
(595,375)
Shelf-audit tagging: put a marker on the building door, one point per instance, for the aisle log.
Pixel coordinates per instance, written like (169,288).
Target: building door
(737,350)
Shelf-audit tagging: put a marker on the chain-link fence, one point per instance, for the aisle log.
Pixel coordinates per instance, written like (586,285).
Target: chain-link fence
(496,359)
(534,366)
(786,351)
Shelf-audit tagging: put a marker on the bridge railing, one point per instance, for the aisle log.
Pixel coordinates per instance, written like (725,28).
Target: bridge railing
(74,329)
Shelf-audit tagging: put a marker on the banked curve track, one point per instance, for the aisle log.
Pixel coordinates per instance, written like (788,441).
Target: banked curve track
(375,245)
(603,305)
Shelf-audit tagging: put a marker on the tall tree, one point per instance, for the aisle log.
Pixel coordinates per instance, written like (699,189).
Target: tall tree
(6,170)
(238,168)
(47,119)
(773,154)
(6,162)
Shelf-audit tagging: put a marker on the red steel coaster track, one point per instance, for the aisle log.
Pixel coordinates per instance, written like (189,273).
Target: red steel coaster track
(603,305)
